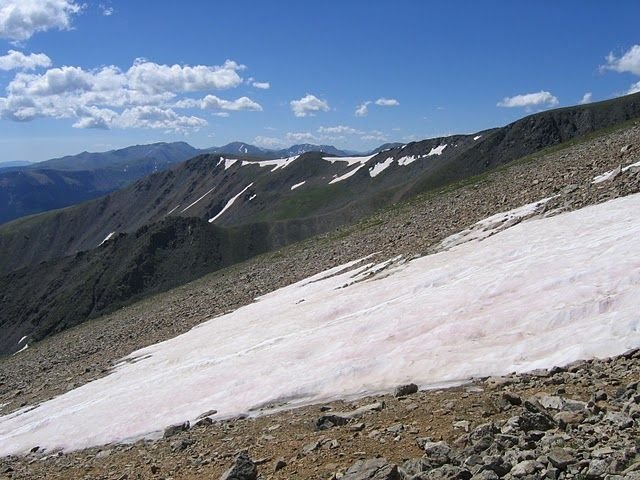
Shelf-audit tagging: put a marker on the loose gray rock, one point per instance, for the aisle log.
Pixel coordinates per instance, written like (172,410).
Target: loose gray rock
(333,419)
(561,458)
(372,469)
(597,468)
(172,430)
(243,468)
(182,444)
(511,398)
(404,390)
(568,418)
(437,453)
(526,467)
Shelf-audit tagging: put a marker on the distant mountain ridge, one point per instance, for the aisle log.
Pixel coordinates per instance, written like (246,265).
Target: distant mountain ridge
(159,154)
(14,164)
(64,181)
(246,149)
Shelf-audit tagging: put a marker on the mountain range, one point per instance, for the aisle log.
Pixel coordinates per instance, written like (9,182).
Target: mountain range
(29,188)
(216,209)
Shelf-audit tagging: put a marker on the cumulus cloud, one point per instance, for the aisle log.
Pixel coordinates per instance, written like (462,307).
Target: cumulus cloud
(586,98)
(143,96)
(261,85)
(151,77)
(629,62)
(541,98)
(375,135)
(308,105)
(363,109)
(301,137)
(387,102)
(21,19)
(150,116)
(339,129)
(211,102)
(15,60)
(268,142)
(242,103)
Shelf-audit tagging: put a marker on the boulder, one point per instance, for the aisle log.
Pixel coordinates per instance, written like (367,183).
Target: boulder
(372,469)
(243,468)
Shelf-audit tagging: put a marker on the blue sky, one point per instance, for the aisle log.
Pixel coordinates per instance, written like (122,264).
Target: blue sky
(100,75)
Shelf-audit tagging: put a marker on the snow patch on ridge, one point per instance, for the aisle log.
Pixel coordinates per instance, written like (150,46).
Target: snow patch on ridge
(107,238)
(229,162)
(26,345)
(277,163)
(229,203)
(192,204)
(379,167)
(545,292)
(350,160)
(293,187)
(173,210)
(350,173)
(408,160)
(437,150)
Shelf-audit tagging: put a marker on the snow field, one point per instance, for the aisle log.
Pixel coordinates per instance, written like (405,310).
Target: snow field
(544,292)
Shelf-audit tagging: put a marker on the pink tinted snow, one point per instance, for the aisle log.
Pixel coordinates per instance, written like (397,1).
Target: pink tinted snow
(544,292)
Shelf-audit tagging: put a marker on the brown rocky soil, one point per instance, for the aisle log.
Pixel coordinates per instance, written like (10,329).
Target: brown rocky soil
(87,352)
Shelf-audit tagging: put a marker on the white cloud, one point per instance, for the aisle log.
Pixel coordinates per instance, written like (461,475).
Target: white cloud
(363,109)
(141,97)
(308,106)
(242,103)
(94,117)
(21,19)
(261,85)
(301,137)
(387,102)
(211,102)
(151,77)
(529,100)
(150,116)
(586,98)
(635,88)
(268,142)
(106,10)
(339,129)
(374,135)
(221,114)
(629,62)
(15,60)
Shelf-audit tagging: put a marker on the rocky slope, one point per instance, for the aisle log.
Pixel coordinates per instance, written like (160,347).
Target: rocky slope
(598,441)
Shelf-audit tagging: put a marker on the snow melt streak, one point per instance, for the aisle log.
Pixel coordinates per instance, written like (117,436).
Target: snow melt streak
(230,203)
(544,292)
